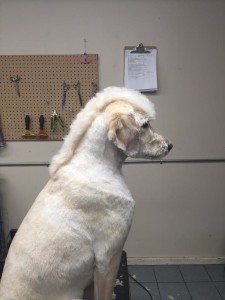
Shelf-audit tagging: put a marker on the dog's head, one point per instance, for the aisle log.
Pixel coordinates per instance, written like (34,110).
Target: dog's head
(130,129)
(128,117)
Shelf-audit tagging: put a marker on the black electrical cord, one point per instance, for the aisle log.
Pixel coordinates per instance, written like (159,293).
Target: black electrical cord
(140,285)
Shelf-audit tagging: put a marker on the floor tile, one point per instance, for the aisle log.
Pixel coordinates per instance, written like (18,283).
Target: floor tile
(203,291)
(221,288)
(216,272)
(168,274)
(174,291)
(138,293)
(142,273)
(193,273)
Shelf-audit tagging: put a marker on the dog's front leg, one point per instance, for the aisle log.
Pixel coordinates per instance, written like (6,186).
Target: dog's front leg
(104,280)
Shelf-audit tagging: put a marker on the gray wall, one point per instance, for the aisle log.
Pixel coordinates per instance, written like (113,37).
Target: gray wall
(180,211)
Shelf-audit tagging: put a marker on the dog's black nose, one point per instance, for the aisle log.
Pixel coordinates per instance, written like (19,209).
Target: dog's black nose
(170,146)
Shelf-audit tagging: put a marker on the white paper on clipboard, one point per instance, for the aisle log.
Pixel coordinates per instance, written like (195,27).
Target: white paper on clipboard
(140,70)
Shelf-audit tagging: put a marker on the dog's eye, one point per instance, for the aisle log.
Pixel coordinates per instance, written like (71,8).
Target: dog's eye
(145,125)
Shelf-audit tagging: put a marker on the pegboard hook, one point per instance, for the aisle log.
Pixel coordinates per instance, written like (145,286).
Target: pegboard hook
(85,42)
(85,59)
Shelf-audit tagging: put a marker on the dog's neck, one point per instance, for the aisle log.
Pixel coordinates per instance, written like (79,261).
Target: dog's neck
(98,162)
(96,149)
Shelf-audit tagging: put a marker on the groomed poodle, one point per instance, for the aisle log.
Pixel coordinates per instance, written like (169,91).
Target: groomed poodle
(69,244)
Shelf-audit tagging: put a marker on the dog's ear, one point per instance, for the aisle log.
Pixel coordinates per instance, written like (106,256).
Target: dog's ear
(122,130)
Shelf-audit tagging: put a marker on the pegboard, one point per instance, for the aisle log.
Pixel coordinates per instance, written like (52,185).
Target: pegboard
(41,91)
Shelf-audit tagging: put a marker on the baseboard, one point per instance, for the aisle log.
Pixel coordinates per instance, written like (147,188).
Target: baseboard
(174,260)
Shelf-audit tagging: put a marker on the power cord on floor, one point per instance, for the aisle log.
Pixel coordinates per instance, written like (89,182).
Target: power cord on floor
(141,285)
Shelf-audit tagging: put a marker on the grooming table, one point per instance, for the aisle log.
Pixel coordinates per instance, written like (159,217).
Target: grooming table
(122,290)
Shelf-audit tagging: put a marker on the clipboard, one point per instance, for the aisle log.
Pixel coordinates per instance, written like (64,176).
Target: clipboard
(140,68)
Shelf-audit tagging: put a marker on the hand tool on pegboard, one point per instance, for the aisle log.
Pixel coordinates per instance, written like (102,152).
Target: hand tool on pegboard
(28,133)
(15,79)
(42,134)
(66,88)
(77,90)
(56,120)
(2,139)
(94,88)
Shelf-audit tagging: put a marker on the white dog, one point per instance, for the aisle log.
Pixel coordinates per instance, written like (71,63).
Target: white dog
(75,231)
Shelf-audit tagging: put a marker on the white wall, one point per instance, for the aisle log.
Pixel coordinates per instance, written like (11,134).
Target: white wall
(180,208)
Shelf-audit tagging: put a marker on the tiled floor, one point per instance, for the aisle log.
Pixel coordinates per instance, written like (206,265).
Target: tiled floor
(179,282)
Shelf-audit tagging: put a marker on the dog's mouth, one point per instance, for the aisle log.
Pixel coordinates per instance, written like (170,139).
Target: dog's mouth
(158,154)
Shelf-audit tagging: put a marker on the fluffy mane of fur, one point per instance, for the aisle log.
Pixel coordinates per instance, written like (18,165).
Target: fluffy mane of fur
(86,116)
